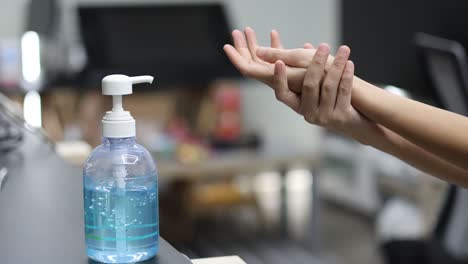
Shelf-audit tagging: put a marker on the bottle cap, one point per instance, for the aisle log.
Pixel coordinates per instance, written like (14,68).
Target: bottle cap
(119,123)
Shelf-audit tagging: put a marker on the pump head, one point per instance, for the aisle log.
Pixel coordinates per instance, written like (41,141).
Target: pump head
(118,123)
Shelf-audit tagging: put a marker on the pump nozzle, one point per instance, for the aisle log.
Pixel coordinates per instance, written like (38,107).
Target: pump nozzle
(119,84)
(142,79)
(118,122)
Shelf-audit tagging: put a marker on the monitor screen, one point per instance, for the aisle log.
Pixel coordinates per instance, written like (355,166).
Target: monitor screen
(381,36)
(176,43)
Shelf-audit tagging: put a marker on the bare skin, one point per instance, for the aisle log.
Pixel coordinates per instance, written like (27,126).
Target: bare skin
(324,90)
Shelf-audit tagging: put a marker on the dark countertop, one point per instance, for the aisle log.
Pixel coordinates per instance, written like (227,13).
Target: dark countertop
(41,209)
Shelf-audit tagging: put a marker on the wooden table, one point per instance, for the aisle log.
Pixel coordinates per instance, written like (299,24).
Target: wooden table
(238,162)
(250,163)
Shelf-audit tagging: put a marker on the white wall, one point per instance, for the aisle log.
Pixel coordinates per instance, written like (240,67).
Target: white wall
(11,18)
(299,21)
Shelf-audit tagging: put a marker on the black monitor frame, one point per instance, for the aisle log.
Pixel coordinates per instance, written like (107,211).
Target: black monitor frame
(174,72)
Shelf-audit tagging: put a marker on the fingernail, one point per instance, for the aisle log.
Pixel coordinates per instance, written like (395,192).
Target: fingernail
(324,47)
(344,49)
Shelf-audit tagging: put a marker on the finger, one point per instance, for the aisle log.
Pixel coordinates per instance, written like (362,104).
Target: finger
(234,56)
(311,86)
(295,78)
(308,46)
(294,57)
(275,40)
(329,89)
(263,72)
(346,85)
(253,70)
(280,85)
(241,44)
(251,42)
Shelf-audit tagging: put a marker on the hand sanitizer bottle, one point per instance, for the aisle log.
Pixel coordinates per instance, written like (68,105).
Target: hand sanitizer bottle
(120,186)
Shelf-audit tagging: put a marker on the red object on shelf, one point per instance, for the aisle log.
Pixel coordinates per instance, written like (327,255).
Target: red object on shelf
(228,106)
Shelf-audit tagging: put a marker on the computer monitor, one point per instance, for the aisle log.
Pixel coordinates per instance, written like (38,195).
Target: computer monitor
(381,36)
(178,44)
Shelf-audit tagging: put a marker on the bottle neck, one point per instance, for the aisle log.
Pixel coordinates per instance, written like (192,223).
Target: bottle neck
(116,142)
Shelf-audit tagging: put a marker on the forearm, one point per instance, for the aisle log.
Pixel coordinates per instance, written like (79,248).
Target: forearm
(443,133)
(429,138)
(388,141)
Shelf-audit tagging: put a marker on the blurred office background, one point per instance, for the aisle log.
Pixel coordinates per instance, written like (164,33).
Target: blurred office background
(240,174)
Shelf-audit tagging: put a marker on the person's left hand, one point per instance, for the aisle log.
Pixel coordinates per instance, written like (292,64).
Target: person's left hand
(248,58)
(243,56)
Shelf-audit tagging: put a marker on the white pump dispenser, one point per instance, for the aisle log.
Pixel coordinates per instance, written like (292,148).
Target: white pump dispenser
(118,123)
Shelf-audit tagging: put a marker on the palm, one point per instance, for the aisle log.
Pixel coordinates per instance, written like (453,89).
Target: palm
(244,57)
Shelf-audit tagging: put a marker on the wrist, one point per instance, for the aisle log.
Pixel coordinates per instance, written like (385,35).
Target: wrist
(367,133)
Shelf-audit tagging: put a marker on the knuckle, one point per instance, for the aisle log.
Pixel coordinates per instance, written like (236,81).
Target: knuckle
(345,90)
(348,76)
(348,113)
(338,63)
(317,61)
(310,85)
(281,96)
(327,88)
(310,118)
(323,120)
(277,96)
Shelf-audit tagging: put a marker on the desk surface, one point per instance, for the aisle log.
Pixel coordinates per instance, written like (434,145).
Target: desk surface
(41,211)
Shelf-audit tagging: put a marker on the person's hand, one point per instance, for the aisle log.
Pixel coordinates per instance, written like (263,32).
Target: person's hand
(243,56)
(292,72)
(294,59)
(326,96)
(247,57)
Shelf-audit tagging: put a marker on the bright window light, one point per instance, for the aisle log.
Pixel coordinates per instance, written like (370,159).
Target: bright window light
(31,57)
(32,109)
(299,179)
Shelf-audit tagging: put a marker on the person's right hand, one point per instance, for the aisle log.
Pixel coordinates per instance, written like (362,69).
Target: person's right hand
(325,98)
(294,59)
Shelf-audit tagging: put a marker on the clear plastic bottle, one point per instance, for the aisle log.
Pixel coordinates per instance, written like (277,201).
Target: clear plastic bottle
(120,193)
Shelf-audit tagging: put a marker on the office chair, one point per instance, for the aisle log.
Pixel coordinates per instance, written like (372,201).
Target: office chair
(446,66)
